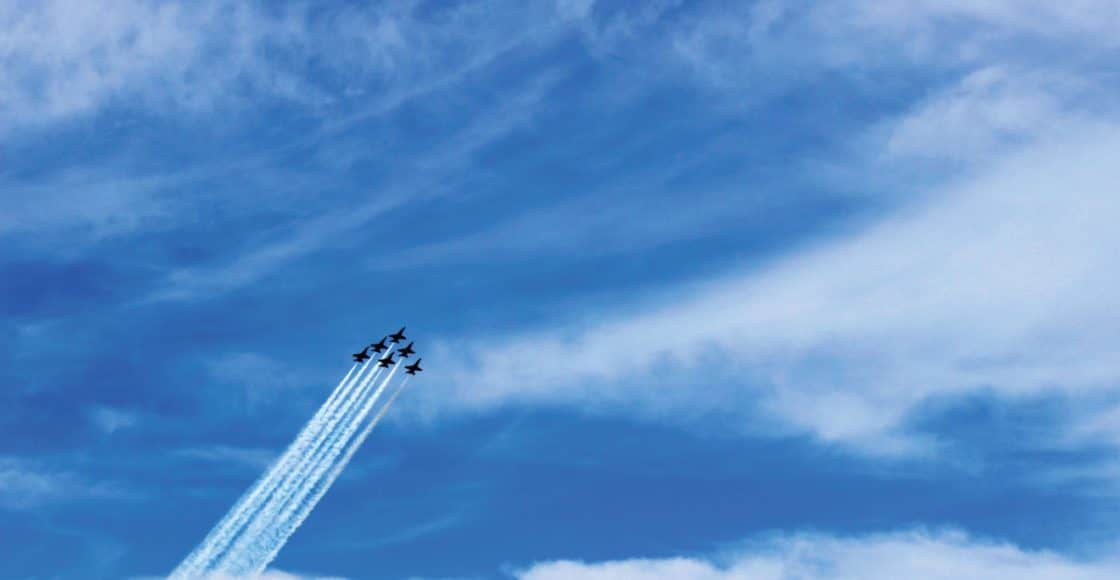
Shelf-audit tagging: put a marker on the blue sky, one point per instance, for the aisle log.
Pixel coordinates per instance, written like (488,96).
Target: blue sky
(786,290)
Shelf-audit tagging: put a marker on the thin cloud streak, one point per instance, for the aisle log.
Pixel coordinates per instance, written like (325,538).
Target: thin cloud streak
(444,163)
(62,61)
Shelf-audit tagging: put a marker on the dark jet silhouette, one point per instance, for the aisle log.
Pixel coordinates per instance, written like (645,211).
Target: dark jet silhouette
(360,357)
(397,336)
(406,351)
(385,362)
(413,368)
(379,345)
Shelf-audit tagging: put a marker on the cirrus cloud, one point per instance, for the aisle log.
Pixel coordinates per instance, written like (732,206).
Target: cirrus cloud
(1001,283)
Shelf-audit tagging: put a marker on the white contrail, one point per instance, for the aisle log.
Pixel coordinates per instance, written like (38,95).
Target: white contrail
(295,474)
(249,545)
(252,561)
(253,544)
(220,536)
(261,493)
(308,506)
(289,482)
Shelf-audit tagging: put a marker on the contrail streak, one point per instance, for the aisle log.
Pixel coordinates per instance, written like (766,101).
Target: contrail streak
(306,507)
(220,536)
(289,483)
(294,476)
(246,557)
(249,546)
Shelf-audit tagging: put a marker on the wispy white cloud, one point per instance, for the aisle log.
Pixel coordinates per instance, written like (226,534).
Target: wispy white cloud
(1082,22)
(28,484)
(69,211)
(996,281)
(1003,282)
(346,64)
(916,555)
(619,219)
(22,487)
(110,420)
(404,534)
(258,381)
(986,112)
(59,61)
(270,574)
(575,9)
(282,575)
(439,165)
(965,125)
(766,48)
(249,457)
(96,203)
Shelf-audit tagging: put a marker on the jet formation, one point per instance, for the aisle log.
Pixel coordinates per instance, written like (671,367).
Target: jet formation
(248,538)
(385,361)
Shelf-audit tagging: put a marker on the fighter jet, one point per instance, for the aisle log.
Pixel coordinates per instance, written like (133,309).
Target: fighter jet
(397,336)
(386,361)
(360,357)
(404,352)
(379,345)
(413,368)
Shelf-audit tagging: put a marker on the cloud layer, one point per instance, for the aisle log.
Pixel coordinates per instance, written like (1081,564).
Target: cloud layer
(1003,282)
(911,555)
